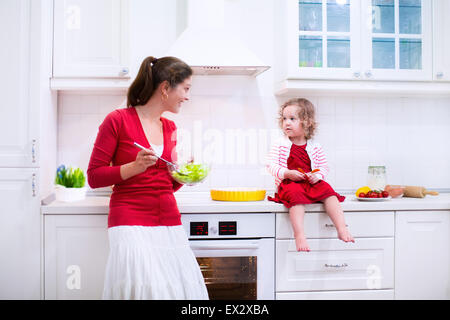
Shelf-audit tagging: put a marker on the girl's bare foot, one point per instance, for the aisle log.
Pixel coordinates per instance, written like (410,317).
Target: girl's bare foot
(301,243)
(344,235)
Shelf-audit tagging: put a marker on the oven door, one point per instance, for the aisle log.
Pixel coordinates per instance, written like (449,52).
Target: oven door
(237,269)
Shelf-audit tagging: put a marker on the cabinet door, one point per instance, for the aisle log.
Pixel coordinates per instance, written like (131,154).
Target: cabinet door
(337,295)
(319,225)
(20,225)
(334,265)
(422,255)
(90,38)
(441,40)
(19,116)
(323,39)
(76,251)
(396,40)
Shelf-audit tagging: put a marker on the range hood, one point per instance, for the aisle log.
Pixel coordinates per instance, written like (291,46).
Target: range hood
(209,48)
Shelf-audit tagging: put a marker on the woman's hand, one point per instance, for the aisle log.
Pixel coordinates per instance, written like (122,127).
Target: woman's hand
(294,175)
(144,159)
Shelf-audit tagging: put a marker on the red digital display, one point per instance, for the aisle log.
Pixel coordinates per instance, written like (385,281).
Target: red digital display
(227,228)
(199,229)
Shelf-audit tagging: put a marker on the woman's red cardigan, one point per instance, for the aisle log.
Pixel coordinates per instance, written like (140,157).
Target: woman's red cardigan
(145,199)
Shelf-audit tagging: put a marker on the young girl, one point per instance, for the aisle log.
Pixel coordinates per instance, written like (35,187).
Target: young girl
(299,166)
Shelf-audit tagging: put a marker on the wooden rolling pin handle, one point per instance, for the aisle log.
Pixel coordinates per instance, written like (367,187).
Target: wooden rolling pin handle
(418,192)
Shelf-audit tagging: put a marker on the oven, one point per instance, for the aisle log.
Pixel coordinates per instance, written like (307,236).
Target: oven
(235,252)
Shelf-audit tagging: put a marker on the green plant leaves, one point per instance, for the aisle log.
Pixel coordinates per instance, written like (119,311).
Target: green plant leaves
(70,178)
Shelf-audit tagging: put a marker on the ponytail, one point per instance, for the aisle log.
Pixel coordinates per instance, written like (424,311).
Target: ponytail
(151,73)
(142,89)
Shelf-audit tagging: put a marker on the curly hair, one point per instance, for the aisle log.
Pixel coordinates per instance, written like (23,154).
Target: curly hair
(305,111)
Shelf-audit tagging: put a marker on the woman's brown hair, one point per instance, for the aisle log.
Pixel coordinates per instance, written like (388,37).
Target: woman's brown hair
(305,111)
(151,73)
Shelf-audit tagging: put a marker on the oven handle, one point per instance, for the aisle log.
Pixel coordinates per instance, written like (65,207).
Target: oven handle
(224,246)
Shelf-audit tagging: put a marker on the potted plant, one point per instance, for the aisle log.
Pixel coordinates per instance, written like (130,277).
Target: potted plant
(70,184)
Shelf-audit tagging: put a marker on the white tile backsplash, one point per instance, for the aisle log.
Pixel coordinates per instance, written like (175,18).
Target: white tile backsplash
(408,135)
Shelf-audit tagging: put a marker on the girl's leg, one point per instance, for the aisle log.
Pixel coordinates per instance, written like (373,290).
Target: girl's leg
(334,210)
(296,215)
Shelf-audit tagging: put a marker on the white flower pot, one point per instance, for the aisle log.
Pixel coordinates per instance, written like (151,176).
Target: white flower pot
(69,194)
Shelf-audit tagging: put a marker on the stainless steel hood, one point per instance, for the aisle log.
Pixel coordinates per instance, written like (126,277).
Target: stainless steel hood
(209,48)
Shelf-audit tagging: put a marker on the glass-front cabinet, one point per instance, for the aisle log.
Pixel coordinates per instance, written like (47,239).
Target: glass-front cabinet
(359,39)
(396,42)
(324,41)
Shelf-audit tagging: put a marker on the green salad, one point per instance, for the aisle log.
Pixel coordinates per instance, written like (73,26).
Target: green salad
(193,173)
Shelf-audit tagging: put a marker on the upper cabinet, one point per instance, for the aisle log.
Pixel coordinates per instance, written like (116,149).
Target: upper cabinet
(441,40)
(323,39)
(19,112)
(389,46)
(91,39)
(397,40)
(354,39)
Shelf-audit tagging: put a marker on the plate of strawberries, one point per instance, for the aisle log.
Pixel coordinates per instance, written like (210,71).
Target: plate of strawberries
(373,195)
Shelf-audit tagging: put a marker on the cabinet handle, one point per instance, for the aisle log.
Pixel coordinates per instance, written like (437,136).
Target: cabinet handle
(357,74)
(332,225)
(344,265)
(439,75)
(33,151)
(368,74)
(124,71)
(33,184)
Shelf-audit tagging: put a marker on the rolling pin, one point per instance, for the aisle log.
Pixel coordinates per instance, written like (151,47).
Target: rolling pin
(417,192)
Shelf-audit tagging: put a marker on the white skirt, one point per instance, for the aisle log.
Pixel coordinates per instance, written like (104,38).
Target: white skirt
(152,263)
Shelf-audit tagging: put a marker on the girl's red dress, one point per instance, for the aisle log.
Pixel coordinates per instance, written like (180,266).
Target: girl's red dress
(292,193)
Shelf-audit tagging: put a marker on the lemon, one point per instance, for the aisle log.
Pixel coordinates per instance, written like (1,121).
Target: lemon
(364,189)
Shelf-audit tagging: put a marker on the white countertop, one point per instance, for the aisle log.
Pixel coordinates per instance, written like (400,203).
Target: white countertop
(202,203)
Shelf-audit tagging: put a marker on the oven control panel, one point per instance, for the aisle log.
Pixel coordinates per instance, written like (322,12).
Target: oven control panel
(224,228)
(232,225)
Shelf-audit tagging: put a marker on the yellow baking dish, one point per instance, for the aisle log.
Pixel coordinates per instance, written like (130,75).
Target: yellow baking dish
(238,194)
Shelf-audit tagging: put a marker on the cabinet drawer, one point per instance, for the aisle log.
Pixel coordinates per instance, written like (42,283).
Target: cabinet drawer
(319,225)
(335,265)
(337,295)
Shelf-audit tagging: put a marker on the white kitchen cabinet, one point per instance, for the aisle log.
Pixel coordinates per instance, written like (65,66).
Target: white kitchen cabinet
(91,39)
(338,295)
(76,251)
(334,269)
(441,40)
(335,265)
(354,40)
(422,255)
(19,115)
(319,225)
(25,62)
(20,235)
(322,39)
(396,41)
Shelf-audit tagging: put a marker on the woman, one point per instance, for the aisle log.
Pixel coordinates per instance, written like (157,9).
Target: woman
(149,257)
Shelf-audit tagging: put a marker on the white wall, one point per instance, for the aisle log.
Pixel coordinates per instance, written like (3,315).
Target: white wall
(408,135)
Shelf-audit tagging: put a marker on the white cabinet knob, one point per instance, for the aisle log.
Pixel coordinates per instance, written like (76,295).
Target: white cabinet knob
(368,74)
(357,74)
(439,75)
